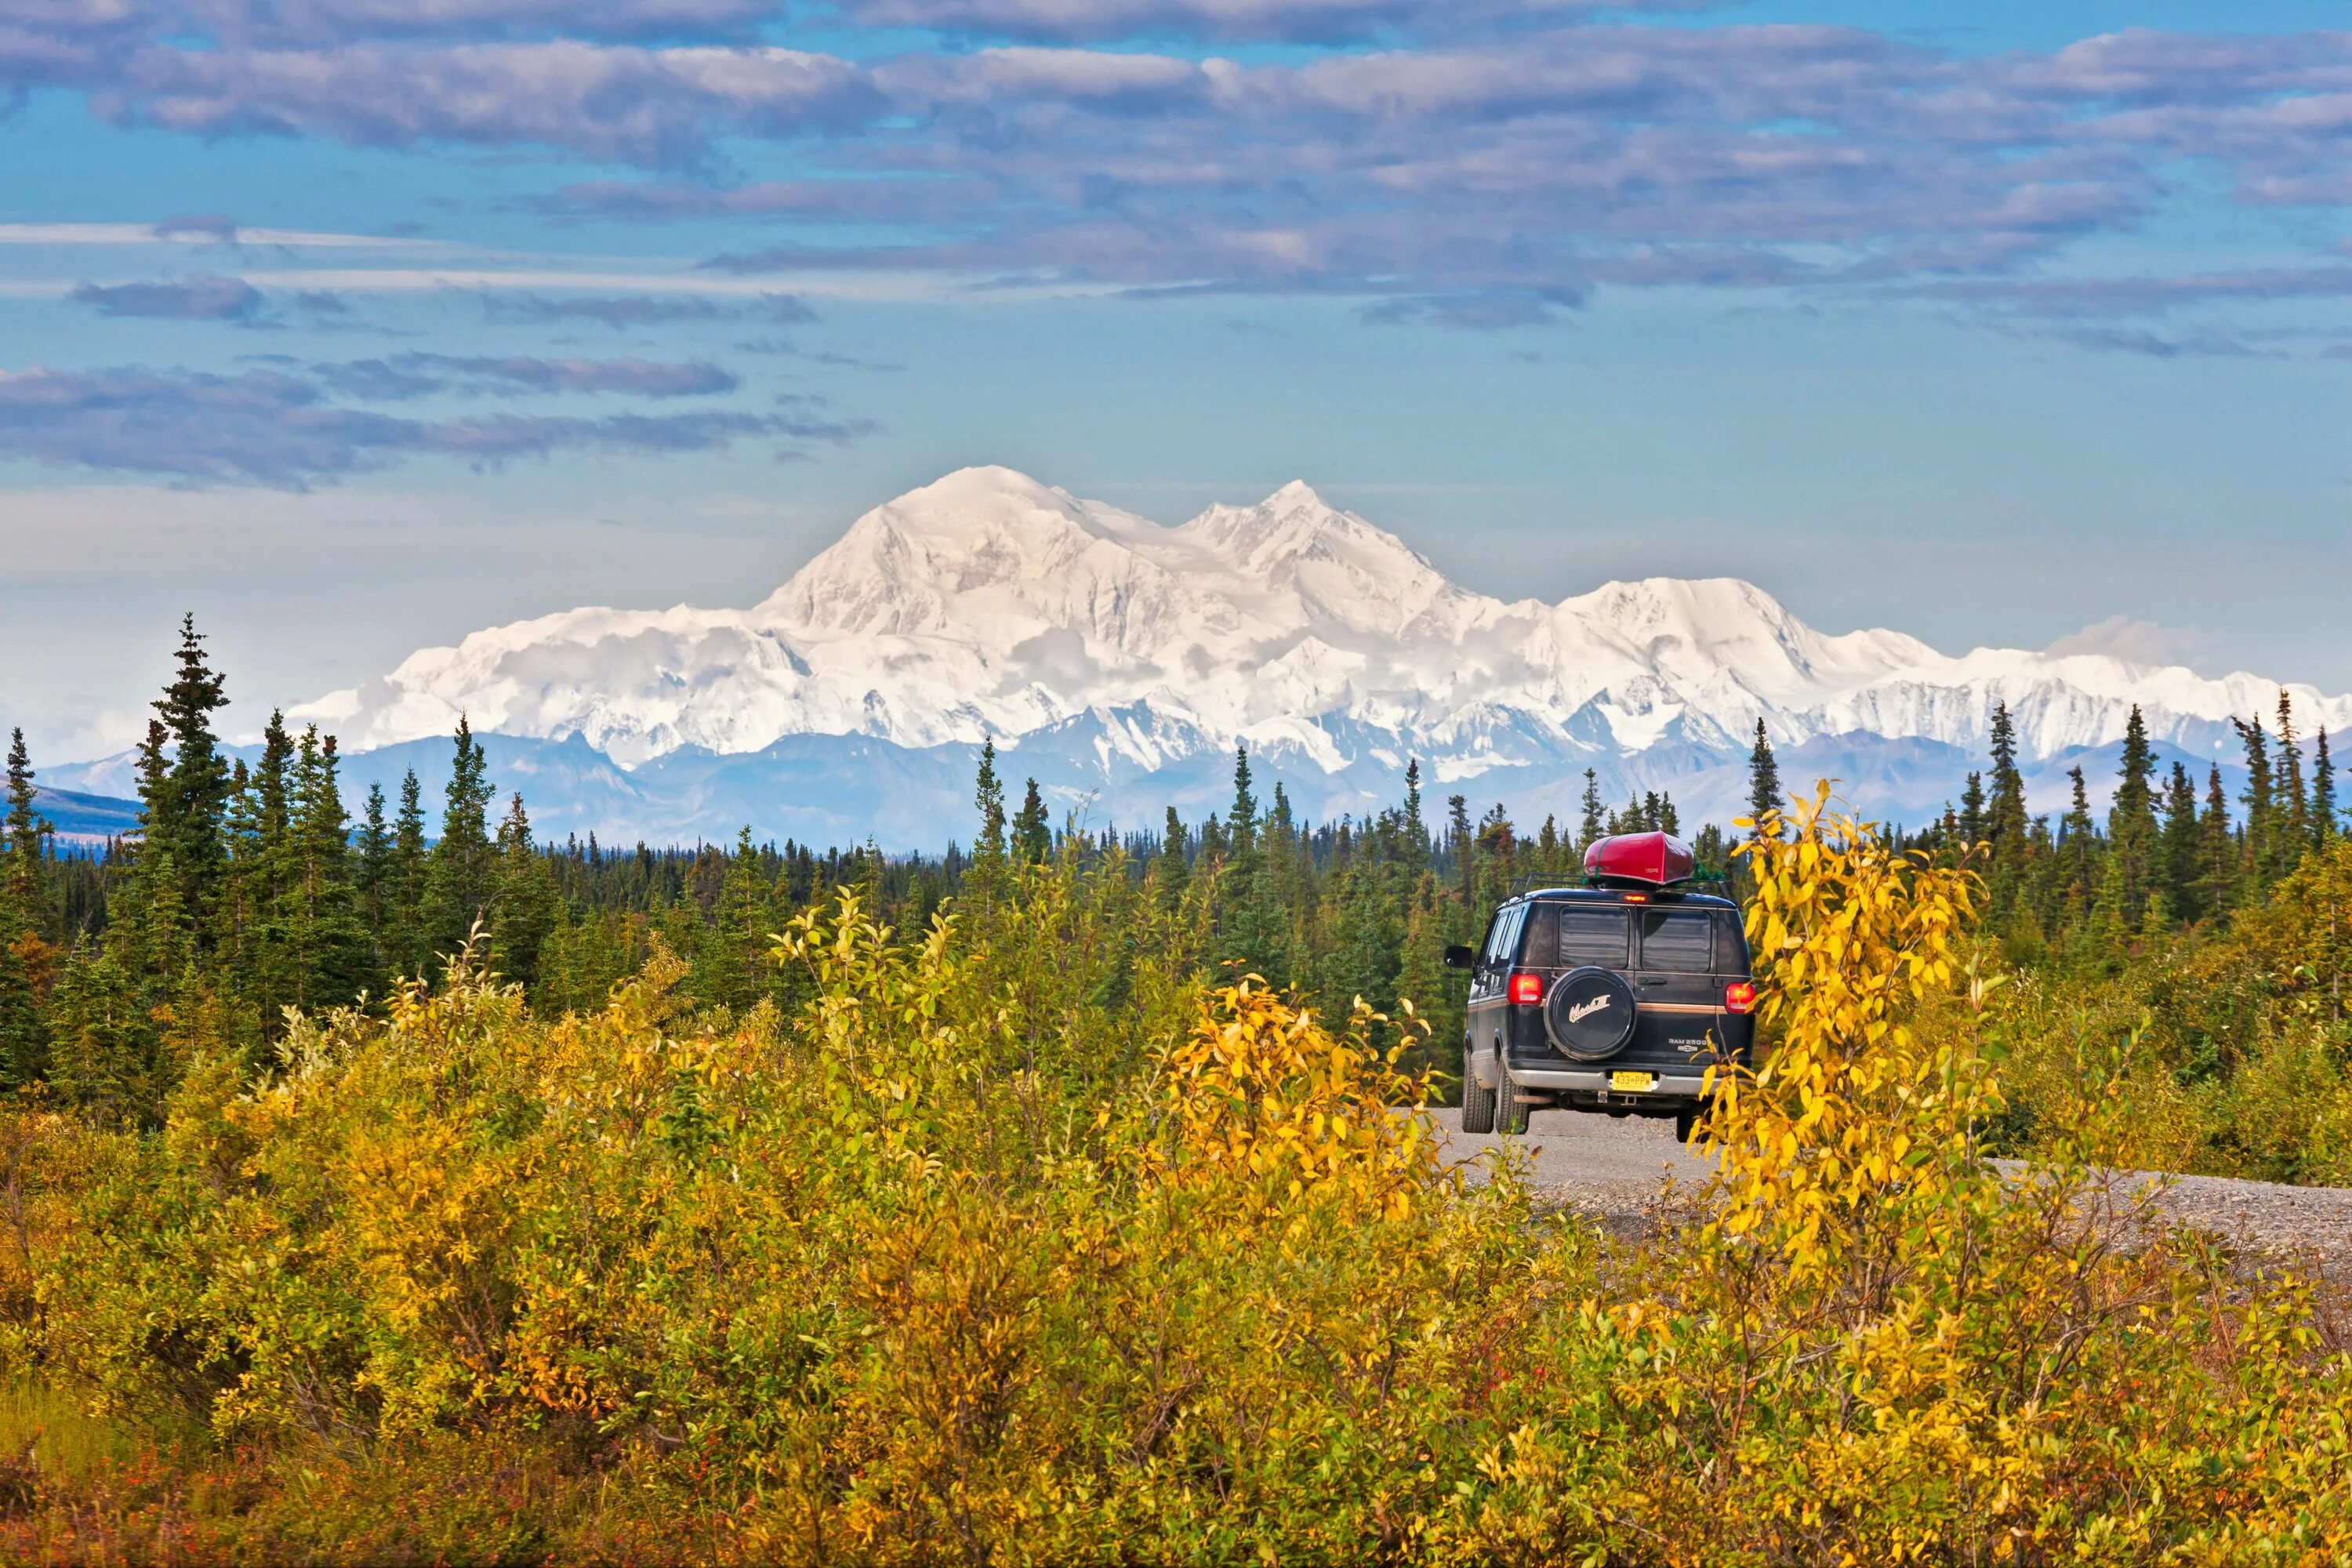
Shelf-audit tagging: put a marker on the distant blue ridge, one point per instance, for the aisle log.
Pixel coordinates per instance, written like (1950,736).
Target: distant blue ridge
(842,790)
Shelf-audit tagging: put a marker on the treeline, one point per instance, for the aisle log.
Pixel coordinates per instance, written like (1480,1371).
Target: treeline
(252,893)
(255,891)
(2168,853)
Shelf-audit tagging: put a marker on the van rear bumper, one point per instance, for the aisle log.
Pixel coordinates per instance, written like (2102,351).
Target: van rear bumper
(1595,1080)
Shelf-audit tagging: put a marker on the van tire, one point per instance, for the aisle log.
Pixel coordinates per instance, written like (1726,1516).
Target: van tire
(1477,1101)
(1510,1110)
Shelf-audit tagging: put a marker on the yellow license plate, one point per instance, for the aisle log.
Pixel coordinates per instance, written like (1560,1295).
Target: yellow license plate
(1633,1082)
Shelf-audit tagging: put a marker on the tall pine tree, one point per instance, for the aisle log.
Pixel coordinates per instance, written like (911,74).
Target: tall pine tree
(458,878)
(2324,826)
(1763,778)
(185,786)
(2131,827)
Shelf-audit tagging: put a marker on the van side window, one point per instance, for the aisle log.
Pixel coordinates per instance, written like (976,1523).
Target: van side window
(1679,941)
(1539,936)
(1730,946)
(1592,936)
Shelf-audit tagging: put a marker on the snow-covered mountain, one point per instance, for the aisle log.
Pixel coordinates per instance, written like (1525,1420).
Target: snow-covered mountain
(1119,658)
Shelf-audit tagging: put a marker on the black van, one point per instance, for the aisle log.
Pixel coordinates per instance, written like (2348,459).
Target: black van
(1613,997)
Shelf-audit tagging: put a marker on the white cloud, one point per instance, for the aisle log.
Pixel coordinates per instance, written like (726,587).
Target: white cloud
(2139,642)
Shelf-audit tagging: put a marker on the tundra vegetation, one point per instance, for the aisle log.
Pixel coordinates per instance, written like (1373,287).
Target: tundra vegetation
(1038,1225)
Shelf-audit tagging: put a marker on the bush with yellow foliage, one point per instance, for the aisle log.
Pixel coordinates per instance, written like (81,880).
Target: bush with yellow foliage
(978,1258)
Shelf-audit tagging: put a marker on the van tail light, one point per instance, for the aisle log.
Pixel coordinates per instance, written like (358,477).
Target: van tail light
(1739,997)
(1526,989)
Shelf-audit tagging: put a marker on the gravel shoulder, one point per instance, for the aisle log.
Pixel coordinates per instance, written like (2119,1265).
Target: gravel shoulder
(1615,1172)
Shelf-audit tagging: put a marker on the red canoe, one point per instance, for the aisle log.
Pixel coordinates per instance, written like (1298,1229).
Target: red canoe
(1656,859)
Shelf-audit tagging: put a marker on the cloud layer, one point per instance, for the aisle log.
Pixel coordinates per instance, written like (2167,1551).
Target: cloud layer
(281,429)
(1477,162)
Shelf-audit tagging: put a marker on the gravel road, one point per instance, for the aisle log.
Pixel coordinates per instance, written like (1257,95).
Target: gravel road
(1614,1171)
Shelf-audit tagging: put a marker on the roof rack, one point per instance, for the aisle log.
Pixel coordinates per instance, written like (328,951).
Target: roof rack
(1540,881)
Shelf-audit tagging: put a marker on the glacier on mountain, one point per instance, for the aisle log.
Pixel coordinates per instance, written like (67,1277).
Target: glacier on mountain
(1121,657)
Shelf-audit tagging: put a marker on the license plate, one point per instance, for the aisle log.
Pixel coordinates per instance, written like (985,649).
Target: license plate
(1633,1082)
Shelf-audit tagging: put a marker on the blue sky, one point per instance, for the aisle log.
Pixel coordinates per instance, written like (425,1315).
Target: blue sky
(354,325)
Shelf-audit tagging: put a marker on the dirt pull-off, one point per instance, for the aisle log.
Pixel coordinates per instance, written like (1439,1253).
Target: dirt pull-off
(1615,1172)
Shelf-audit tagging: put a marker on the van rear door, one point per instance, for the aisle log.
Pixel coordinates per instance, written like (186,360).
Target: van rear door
(1674,983)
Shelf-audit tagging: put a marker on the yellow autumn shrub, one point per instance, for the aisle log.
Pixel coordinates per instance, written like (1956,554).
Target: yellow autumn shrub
(1019,1243)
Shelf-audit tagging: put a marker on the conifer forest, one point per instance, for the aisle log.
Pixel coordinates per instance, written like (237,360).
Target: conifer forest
(382,1183)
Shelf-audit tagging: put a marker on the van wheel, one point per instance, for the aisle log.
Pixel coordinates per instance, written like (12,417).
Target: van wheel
(1477,1101)
(1687,1122)
(1510,1110)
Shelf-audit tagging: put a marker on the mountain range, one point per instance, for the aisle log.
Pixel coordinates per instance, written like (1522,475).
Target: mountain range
(1119,660)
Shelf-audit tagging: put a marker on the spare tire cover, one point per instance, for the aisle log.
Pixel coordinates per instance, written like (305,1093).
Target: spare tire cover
(1589,1014)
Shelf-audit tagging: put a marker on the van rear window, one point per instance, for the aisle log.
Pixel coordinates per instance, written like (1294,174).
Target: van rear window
(1677,940)
(1570,937)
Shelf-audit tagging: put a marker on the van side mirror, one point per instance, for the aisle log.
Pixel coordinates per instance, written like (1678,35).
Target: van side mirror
(1460,957)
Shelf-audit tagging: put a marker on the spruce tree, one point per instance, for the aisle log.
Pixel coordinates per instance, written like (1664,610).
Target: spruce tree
(2291,807)
(185,784)
(1033,831)
(27,842)
(2076,838)
(101,1036)
(407,944)
(1972,823)
(1415,831)
(2323,827)
(1458,844)
(1593,826)
(326,934)
(458,880)
(1241,823)
(732,969)
(1172,869)
(376,898)
(985,881)
(2131,827)
(1763,778)
(2261,805)
(2217,847)
(2005,822)
(2183,875)
(522,899)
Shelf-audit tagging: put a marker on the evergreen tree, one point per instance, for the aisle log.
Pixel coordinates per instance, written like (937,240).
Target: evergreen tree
(459,873)
(185,784)
(2260,803)
(2217,847)
(323,930)
(733,968)
(2187,892)
(407,945)
(1593,826)
(1241,823)
(2131,827)
(2323,827)
(1032,832)
(25,956)
(1414,831)
(523,903)
(2291,807)
(2076,837)
(101,1036)
(1972,823)
(1171,868)
(1458,844)
(2005,822)
(984,883)
(377,899)
(1763,778)
(27,842)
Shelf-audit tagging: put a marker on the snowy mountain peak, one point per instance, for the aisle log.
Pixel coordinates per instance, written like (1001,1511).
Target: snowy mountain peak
(988,604)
